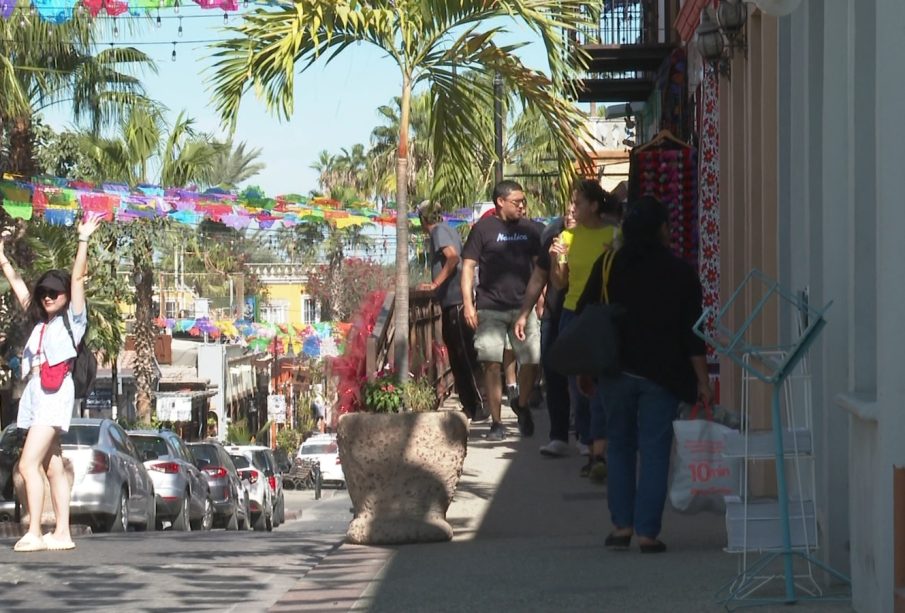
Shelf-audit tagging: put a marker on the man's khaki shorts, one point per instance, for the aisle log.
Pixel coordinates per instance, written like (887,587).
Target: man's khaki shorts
(496,332)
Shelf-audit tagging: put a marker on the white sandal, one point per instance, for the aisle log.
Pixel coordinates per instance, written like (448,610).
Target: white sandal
(30,542)
(54,544)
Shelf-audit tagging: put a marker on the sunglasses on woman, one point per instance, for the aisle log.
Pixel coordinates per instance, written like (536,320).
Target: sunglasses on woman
(49,293)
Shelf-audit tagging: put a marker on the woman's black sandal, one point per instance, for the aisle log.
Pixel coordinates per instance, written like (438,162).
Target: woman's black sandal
(618,541)
(655,547)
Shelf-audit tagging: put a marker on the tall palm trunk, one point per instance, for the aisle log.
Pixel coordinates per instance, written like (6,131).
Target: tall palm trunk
(144,329)
(401,304)
(21,148)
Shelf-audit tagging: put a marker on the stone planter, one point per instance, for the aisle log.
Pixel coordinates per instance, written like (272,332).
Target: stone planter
(402,471)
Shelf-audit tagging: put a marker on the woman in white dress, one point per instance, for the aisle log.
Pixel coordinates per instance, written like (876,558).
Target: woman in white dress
(45,408)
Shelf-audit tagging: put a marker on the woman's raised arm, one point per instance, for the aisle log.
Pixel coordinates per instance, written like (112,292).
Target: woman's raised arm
(86,228)
(20,289)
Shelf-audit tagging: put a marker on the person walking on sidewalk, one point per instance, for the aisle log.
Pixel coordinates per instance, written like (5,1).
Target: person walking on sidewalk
(663,363)
(505,247)
(545,295)
(446,266)
(47,403)
(572,257)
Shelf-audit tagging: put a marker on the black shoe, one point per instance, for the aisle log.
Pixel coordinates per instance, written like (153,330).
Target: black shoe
(616,541)
(525,421)
(586,469)
(656,547)
(479,415)
(497,432)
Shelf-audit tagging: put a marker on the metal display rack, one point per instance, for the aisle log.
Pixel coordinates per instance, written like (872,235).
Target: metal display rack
(778,366)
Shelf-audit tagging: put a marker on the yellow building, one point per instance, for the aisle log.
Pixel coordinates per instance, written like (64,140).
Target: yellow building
(284,300)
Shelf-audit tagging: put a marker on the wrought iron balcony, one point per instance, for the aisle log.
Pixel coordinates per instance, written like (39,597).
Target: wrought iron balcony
(626,48)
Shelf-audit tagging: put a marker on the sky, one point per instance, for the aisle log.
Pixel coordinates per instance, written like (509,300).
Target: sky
(336,104)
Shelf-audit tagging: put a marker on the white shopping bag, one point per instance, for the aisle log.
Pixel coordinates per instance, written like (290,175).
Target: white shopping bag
(700,475)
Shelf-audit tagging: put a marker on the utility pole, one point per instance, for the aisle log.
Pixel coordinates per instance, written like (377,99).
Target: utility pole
(498,124)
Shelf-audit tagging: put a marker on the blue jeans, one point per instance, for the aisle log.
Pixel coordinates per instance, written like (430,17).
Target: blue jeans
(581,405)
(639,421)
(557,387)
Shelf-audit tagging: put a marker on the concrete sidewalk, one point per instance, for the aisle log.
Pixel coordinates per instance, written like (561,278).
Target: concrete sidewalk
(529,537)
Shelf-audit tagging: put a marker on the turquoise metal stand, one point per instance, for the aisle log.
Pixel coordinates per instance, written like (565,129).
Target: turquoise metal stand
(764,292)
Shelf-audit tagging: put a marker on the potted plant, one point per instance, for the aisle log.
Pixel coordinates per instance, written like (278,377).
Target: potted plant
(402,460)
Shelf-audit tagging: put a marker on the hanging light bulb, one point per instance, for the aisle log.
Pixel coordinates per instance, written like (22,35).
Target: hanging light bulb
(173,55)
(225,18)
(176,8)
(115,29)
(179,31)
(158,19)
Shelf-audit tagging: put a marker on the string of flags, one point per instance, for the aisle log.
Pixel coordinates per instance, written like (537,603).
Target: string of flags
(316,340)
(59,202)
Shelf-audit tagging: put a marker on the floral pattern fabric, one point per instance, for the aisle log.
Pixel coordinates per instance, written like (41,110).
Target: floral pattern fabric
(709,196)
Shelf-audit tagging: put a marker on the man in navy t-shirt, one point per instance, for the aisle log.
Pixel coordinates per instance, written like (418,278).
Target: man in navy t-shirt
(504,247)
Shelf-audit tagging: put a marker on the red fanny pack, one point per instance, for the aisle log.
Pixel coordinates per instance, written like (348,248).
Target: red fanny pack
(52,376)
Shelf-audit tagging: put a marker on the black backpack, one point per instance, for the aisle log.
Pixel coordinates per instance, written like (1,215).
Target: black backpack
(84,366)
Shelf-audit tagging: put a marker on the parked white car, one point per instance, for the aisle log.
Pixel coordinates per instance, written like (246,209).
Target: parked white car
(323,449)
(260,500)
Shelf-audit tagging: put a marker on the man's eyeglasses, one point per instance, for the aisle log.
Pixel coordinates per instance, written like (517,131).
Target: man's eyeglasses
(48,293)
(518,201)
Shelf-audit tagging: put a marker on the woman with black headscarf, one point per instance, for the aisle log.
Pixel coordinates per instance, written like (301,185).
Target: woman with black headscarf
(663,363)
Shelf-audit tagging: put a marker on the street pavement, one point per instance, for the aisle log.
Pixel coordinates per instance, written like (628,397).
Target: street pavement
(177,571)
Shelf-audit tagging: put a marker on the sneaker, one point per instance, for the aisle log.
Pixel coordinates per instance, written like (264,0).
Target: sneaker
(525,421)
(586,469)
(512,395)
(555,449)
(598,470)
(497,432)
(583,449)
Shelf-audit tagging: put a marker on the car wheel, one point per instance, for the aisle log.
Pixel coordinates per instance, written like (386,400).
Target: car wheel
(281,512)
(182,522)
(245,521)
(151,522)
(207,520)
(232,522)
(269,522)
(120,521)
(260,521)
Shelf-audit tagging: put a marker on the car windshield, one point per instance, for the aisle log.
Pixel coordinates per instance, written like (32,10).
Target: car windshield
(240,461)
(81,435)
(319,448)
(206,454)
(149,446)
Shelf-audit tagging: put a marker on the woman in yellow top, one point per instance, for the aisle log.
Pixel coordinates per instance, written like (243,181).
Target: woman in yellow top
(572,257)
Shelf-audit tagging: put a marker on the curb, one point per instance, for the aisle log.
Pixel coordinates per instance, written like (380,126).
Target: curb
(10,529)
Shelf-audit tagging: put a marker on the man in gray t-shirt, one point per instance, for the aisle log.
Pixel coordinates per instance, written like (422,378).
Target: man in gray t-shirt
(446,267)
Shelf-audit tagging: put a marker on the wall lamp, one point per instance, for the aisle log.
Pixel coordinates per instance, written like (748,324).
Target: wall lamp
(719,38)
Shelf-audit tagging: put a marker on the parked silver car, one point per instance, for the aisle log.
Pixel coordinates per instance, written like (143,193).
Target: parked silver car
(260,499)
(262,459)
(112,490)
(183,494)
(227,489)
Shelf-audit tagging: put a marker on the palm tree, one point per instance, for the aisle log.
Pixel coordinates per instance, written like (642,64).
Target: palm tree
(235,165)
(326,170)
(427,41)
(44,64)
(532,150)
(146,150)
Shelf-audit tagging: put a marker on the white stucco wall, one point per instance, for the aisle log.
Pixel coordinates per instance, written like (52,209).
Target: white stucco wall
(842,198)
